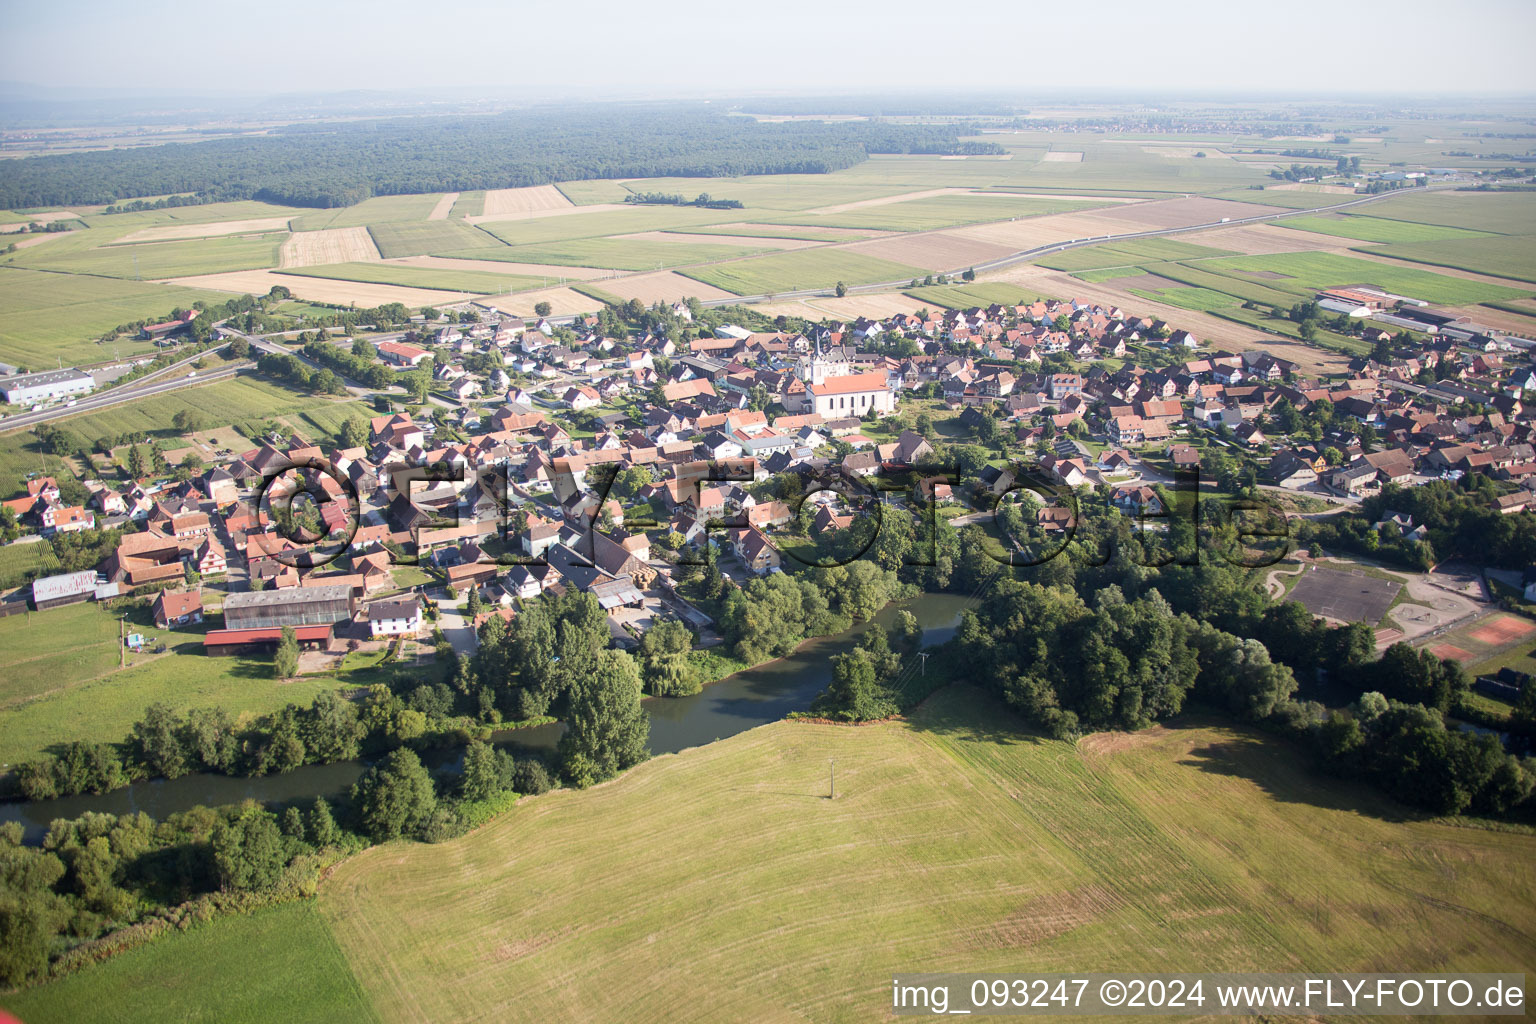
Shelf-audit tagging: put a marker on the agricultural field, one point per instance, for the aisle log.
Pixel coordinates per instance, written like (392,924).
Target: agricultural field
(425,238)
(49,317)
(1376,229)
(477,281)
(149,261)
(19,562)
(1186,297)
(627,253)
(1509,256)
(279,964)
(378,210)
(468,204)
(514,202)
(595,192)
(1122,254)
(56,649)
(964,296)
(329,245)
(1294,199)
(936,212)
(963,841)
(598,224)
(1500,213)
(805,268)
(244,402)
(774,231)
(1305,273)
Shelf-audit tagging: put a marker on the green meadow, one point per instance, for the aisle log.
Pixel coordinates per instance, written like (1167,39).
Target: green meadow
(804,268)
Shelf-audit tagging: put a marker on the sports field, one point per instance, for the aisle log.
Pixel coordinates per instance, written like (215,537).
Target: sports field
(1345,596)
(958,841)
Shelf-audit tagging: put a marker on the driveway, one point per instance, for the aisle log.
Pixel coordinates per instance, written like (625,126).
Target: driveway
(457,627)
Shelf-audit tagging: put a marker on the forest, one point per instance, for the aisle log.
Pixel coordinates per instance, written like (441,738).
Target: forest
(339,164)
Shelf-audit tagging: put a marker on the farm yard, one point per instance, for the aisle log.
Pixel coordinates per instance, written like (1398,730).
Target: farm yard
(978,846)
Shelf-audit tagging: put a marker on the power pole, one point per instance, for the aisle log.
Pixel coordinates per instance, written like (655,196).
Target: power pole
(831,778)
(924,670)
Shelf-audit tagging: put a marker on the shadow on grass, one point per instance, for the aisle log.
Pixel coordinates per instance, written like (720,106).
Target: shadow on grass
(962,712)
(1286,772)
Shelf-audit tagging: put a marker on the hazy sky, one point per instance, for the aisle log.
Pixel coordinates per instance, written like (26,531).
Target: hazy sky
(820,46)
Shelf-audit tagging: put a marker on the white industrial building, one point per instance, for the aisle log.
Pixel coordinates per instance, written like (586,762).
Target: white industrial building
(37,387)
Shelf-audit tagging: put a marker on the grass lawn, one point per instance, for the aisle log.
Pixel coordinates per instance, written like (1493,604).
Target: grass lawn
(1512,256)
(278,964)
(50,316)
(804,268)
(1307,272)
(479,282)
(1375,229)
(938,212)
(148,261)
(626,253)
(56,649)
(19,562)
(425,238)
(958,841)
(964,296)
(1521,658)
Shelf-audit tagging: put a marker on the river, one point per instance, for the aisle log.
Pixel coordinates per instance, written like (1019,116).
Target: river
(745,700)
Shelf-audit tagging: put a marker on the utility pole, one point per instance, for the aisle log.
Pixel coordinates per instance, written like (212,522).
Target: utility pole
(924,670)
(831,778)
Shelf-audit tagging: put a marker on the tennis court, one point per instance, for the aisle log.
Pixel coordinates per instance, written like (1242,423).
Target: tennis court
(1502,630)
(1345,596)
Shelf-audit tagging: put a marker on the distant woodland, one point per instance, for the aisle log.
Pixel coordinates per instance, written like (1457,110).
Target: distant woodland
(339,164)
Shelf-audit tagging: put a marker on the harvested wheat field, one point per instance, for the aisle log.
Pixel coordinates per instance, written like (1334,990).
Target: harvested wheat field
(550,270)
(174,232)
(876,306)
(1056,156)
(660,286)
(319,289)
(1263,239)
(748,241)
(28,241)
(504,202)
(1029,232)
(562,301)
(939,250)
(1176,213)
(444,205)
(329,245)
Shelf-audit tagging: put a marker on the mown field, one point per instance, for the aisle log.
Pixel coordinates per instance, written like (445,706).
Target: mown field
(804,268)
(48,317)
(425,238)
(378,210)
(150,261)
(278,965)
(69,685)
(958,841)
(476,281)
(626,253)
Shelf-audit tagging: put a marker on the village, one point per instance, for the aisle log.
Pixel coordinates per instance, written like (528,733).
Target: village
(593,461)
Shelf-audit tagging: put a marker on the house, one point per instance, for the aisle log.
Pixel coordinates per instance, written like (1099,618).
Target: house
(401,354)
(756,551)
(395,617)
(581,398)
(1287,469)
(67,519)
(1142,499)
(178,608)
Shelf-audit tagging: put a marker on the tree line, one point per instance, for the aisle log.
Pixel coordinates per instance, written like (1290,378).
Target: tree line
(339,164)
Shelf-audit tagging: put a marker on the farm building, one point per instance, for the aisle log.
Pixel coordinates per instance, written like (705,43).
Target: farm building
(67,588)
(295,606)
(237,641)
(38,387)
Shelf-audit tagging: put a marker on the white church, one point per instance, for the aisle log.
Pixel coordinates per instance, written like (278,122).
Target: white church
(835,393)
